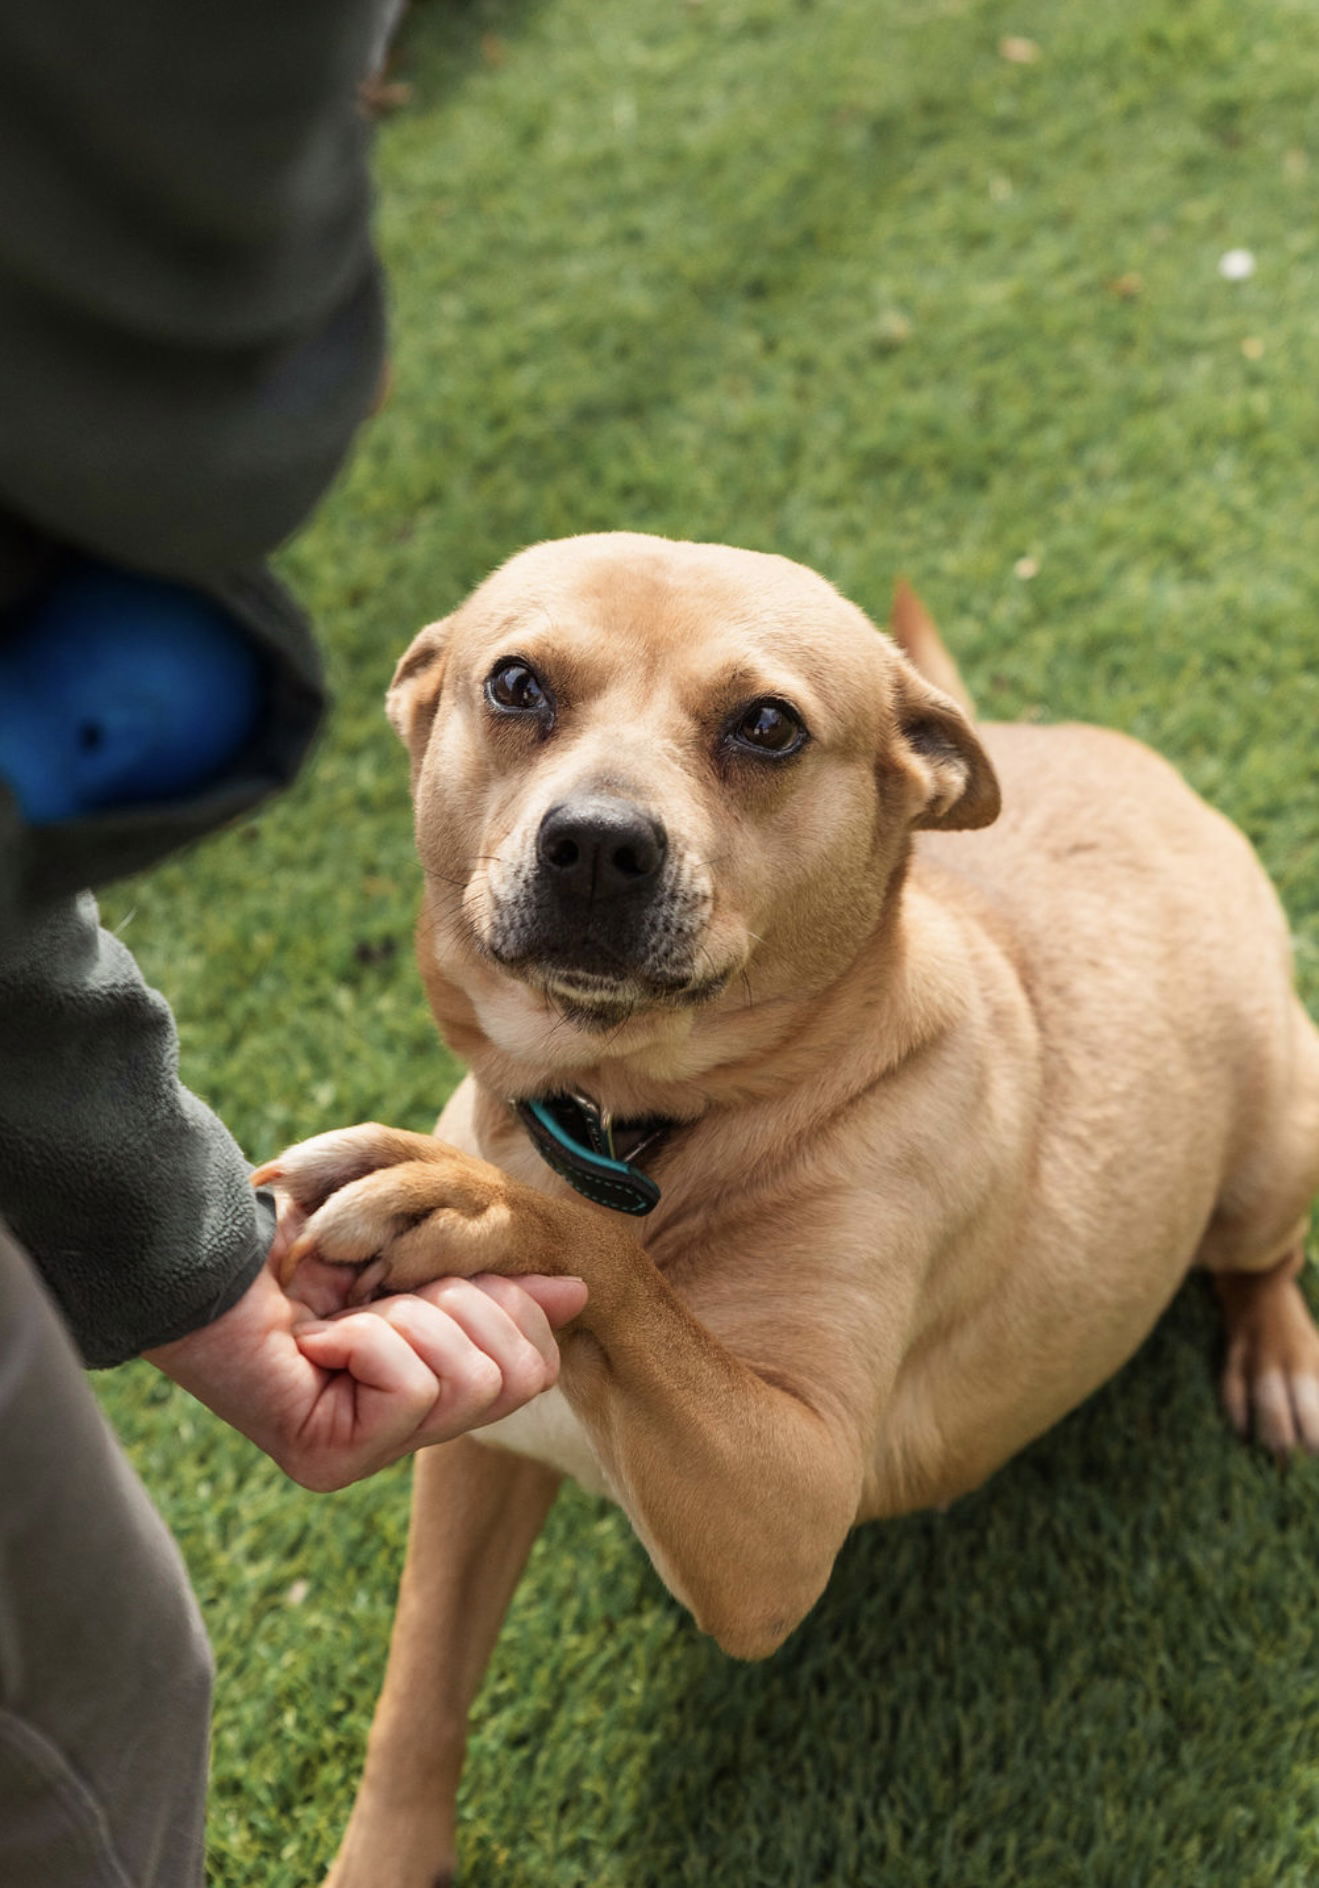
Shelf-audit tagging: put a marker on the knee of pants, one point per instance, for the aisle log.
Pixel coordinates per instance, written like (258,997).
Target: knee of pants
(101,1637)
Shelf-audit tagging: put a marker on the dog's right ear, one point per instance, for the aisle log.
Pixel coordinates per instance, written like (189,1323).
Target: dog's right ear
(414,693)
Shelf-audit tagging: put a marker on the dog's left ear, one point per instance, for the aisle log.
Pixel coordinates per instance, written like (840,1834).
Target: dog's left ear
(414,693)
(940,752)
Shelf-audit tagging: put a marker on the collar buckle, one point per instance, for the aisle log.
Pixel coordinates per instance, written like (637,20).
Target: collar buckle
(576,1138)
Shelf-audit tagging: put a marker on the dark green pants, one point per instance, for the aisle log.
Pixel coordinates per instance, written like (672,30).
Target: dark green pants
(105,1673)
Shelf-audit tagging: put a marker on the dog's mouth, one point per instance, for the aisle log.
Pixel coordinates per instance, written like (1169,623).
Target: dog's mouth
(602,999)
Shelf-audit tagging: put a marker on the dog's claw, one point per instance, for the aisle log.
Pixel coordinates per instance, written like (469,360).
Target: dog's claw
(288,1261)
(365,1285)
(1270,1382)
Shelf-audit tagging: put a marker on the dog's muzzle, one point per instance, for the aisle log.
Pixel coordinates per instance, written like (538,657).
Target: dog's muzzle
(596,894)
(602,912)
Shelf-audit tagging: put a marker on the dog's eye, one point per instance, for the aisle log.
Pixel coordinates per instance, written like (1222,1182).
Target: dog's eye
(515,688)
(769,727)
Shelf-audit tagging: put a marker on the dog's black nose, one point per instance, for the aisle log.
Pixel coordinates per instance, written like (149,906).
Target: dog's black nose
(600,847)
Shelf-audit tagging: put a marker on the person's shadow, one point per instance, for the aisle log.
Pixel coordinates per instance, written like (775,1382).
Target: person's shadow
(1099,1669)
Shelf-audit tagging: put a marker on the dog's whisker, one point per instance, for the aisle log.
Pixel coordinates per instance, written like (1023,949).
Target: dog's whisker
(461,884)
(455,929)
(614,1034)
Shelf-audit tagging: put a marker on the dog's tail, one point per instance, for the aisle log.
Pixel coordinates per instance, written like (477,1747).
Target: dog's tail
(912,629)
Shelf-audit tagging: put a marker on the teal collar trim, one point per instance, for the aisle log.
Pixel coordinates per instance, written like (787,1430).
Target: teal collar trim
(576,1138)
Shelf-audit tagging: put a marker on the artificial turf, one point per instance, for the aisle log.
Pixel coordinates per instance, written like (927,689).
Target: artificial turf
(840,280)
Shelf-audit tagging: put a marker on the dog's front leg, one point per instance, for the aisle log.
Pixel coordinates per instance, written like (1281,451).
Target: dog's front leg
(475,1514)
(741,1487)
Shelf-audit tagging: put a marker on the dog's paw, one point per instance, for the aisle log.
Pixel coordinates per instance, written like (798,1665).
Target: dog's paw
(402,1207)
(1271,1376)
(407,1852)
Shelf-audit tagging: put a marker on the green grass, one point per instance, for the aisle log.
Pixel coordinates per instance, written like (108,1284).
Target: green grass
(832,279)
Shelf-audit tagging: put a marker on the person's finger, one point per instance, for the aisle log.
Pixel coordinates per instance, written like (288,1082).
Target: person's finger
(561,1299)
(393,1388)
(466,1384)
(322,1288)
(470,1302)
(527,1360)
(289,1222)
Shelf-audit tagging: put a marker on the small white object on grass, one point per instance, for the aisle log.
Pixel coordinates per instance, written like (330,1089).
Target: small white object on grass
(1236,265)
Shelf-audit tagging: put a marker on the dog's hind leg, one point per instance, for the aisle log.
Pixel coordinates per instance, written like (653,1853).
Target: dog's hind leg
(475,1513)
(1255,1248)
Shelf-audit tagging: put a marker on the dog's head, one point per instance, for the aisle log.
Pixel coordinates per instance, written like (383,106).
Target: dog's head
(652,778)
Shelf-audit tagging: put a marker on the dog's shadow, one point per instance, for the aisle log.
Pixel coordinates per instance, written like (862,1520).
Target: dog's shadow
(1098,1669)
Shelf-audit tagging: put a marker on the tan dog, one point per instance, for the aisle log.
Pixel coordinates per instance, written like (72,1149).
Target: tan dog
(948,1113)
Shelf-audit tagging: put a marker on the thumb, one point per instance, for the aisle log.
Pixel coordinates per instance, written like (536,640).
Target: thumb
(559,1298)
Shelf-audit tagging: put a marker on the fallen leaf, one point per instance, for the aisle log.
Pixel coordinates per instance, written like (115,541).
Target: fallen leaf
(1127,287)
(893,329)
(1018,52)
(1253,348)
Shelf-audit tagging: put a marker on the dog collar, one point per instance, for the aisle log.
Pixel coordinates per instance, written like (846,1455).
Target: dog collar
(578,1139)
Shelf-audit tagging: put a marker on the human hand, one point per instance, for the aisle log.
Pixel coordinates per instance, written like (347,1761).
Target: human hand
(333,1395)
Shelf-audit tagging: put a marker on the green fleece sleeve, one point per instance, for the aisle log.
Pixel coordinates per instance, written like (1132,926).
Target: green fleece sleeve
(191,330)
(190,309)
(127,1191)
